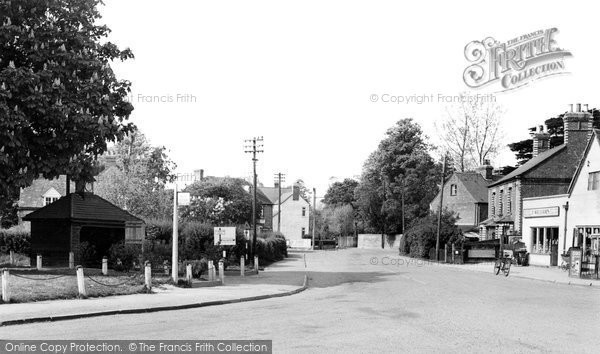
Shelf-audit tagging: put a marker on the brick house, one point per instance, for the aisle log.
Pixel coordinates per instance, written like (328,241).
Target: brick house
(294,211)
(466,194)
(549,172)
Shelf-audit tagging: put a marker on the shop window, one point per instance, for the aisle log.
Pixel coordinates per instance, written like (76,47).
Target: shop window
(593,181)
(543,239)
(453,189)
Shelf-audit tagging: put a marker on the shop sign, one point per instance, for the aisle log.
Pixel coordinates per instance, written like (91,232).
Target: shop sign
(541,212)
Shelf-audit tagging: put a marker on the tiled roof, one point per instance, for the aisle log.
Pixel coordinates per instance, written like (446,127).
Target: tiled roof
(475,184)
(272,193)
(82,206)
(32,196)
(527,166)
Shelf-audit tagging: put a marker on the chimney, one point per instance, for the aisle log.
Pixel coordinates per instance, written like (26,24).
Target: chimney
(276,184)
(486,169)
(577,128)
(198,175)
(296,194)
(541,141)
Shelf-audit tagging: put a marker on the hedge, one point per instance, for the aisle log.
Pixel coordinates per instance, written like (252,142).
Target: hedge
(17,239)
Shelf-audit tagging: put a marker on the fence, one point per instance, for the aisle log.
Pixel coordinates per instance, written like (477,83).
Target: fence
(347,241)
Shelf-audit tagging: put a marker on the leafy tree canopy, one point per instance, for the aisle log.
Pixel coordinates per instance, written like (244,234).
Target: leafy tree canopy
(341,193)
(60,101)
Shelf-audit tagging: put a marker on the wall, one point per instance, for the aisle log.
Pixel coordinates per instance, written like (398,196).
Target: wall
(584,205)
(292,220)
(373,241)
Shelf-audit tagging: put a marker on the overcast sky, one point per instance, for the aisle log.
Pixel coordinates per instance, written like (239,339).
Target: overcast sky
(301,74)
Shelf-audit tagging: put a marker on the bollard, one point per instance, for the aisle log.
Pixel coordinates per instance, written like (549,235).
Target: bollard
(148,275)
(242,267)
(188,273)
(80,281)
(104,266)
(39,262)
(71,260)
(446,253)
(222,271)
(12,258)
(453,248)
(224,254)
(5,288)
(256,263)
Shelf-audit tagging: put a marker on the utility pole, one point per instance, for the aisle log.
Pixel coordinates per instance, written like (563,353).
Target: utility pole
(314,212)
(254,146)
(439,224)
(383,211)
(175,254)
(402,201)
(280,178)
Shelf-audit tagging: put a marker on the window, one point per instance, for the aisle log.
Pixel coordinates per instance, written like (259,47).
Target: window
(500,203)
(303,231)
(453,189)
(303,211)
(593,181)
(49,200)
(493,202)
(509,201)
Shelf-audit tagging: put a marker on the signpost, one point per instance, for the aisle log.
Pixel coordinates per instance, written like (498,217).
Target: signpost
(575,269)
(224,236)
(183,199)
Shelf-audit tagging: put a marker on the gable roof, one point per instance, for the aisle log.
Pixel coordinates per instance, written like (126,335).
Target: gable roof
(272,193)
(475,184)
(529,165)
(82,206)
(595,137)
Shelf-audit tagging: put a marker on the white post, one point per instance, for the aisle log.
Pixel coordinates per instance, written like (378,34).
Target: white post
(39,262)
(224,254)
(71,260)
(446,253)
(80,281)
(256,263)
(222,271)
(188,273)
(148,275)
(104,266)
(175,261)
(453,249)
(12,258)
(5,288)
(242,267)
(211,267)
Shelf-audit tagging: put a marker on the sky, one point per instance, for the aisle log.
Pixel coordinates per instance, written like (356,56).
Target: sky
(209,74)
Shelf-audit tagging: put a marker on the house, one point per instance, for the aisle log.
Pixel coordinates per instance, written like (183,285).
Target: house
(293,218)
(548,173)
(64,225)
(466,194)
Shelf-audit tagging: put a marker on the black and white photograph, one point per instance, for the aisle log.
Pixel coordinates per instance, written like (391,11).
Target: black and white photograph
(275,176)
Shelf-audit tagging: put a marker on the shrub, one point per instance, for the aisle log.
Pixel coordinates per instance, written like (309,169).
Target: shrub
(156,253)
(121,256)
(422,234)
(87,254)
(17,239)
(271,246)
(160,230)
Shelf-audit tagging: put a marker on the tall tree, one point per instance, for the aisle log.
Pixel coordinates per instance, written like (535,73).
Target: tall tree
(401,167)
(137,180)
(341,193)
(60,101)
(470,131)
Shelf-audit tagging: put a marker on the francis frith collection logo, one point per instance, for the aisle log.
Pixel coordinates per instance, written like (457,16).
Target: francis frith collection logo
(514,63)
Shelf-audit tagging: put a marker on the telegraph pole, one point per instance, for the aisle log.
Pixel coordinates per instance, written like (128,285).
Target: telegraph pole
(254,146)
(175,253)
(383,211)
(402,196)
(314,217)
(280,178)
(439,224)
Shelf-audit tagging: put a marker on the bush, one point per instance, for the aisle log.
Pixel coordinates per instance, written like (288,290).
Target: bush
(121,256)
(271,246)
(156,253)
(17,239)
(422,234)
(160,230)
(87,254)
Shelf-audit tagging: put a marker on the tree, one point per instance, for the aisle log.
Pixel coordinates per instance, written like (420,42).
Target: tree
(555,127)
(470,131)
(304,191)
(400,168)
(219,201)
(421,235)
(136,183)
(341,193)
(60,101)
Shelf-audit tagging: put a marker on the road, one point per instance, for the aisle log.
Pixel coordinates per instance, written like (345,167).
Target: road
(354,305)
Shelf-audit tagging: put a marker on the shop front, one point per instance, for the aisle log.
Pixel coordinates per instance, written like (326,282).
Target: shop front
(544,221)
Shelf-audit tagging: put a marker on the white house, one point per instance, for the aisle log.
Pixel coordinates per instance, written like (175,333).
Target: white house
(294,213)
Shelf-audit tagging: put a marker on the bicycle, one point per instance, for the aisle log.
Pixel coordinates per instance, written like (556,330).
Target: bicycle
(566,262)
(502,264)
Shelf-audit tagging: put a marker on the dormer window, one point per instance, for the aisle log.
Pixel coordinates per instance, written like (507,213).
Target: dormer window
(51,196)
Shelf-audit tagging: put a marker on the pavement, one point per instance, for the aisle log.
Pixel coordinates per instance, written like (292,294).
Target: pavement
(274,281)
(547,274)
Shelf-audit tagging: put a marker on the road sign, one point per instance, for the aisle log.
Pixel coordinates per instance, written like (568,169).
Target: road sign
(183,199)
(225,236)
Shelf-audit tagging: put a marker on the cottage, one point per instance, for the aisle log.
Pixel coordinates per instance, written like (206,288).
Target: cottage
(293,218)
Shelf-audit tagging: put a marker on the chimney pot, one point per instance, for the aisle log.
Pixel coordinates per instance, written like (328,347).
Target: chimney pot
(578,107)
(570,107)
(585,107)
